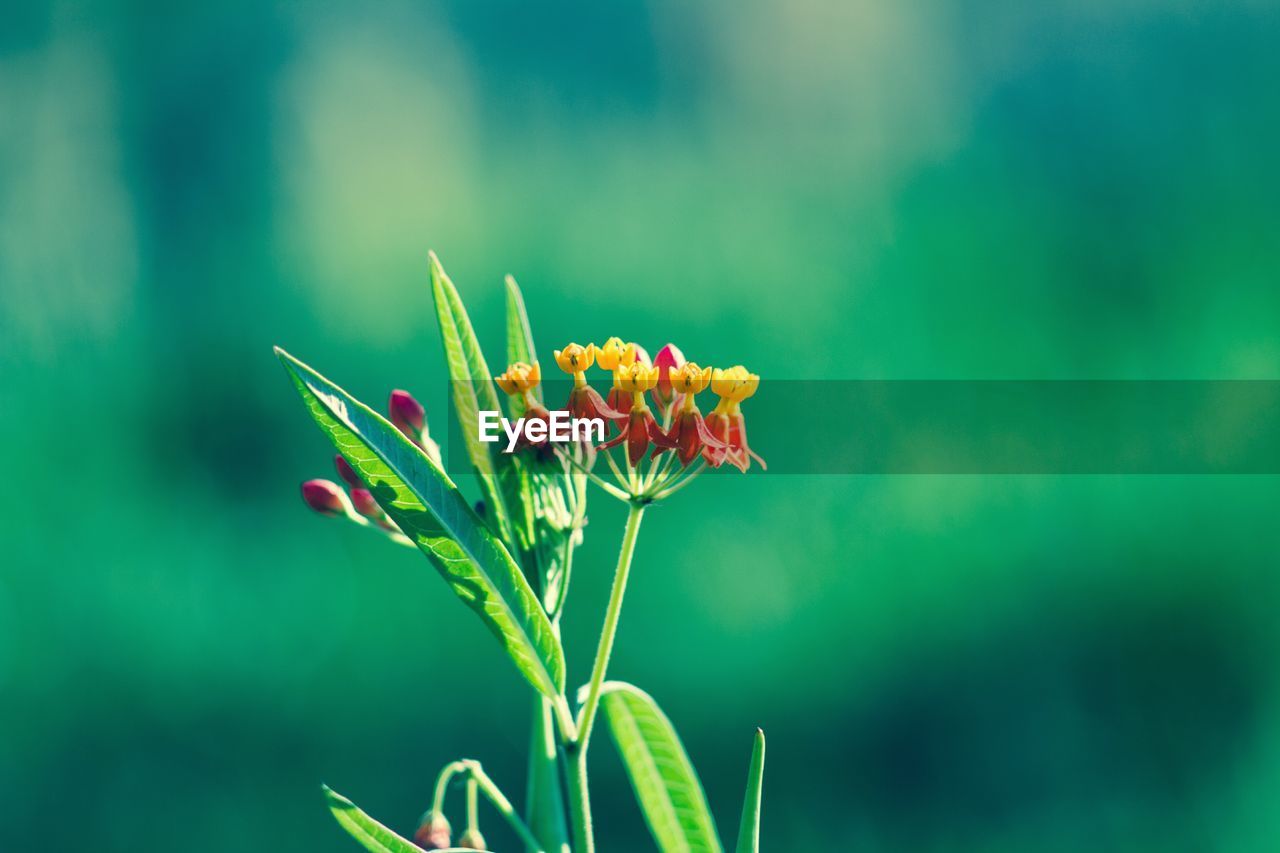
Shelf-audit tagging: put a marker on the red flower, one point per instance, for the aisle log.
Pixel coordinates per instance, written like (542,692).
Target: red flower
(640,429)
(689,436)
(731,430)
(586,402)
(619,400)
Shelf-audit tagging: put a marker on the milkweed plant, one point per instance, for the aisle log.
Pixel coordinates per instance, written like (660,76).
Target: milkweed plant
(509,558)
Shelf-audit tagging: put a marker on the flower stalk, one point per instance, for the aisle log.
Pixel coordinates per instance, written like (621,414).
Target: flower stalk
(576,751)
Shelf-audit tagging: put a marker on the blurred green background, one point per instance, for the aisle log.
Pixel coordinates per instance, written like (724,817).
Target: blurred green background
(819,189)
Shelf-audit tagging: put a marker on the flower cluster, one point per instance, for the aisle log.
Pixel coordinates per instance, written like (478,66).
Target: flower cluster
(652,405)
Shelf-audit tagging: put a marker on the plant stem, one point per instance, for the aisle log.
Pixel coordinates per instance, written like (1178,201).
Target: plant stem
(617,472)
(576,751)
(564,719)
(544,800)
(597,479)
(587,719)
(501,803)
(566,573)
(667,491)
(579,800)
(473,805)
(442,783)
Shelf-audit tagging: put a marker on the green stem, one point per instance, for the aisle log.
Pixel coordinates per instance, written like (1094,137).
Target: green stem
(566,575)
(666,490)
(473,805)
(442,783)
(544,800)
(598,480)
(576,752)
(579,800)
(617,472)
(500,802)
(610,629)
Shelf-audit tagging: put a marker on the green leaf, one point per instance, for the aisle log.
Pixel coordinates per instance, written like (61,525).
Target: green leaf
(664,780)
(426,505)
(371,834)
(519,340)
(473,390)
(749,828)
(514,478)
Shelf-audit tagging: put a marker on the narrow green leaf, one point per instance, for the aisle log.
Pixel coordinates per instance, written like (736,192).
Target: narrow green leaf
(519,339)
(371,834)
(749,828)
(514,478)
(427,506)
(473,389)
(665,783)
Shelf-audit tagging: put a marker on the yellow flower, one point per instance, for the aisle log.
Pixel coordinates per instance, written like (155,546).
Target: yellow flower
(734,384)
(636,377)
(690,379)
(615,354)
(519,378)
(575,358)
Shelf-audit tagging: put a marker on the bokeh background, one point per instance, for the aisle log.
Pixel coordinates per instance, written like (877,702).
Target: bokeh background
(823,190)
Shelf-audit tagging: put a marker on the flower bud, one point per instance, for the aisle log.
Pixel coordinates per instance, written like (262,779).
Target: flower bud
(472,840)
(407,414)
(346,472)
(364,503)
(433,833)
(668,357)
(325,497)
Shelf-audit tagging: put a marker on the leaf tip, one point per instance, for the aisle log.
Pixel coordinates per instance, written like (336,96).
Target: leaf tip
(439,278)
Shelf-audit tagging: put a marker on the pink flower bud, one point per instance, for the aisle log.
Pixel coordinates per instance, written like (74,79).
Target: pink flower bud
(668,357)
(364,503)
(324,497)
(346,472)
(472,840)
(433,833)
(407,414)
